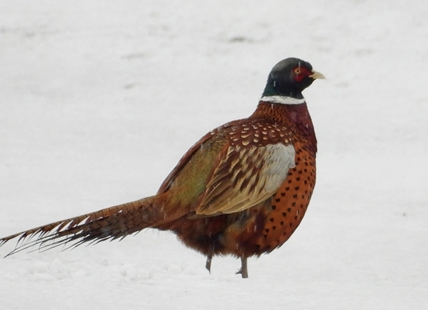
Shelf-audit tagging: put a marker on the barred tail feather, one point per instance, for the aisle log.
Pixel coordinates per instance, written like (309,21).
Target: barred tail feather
(106,224)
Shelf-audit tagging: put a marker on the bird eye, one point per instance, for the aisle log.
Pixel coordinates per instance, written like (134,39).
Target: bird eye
(297,71)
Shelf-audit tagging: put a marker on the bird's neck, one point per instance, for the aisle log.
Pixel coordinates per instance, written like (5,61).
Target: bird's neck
(294,116)
(283,100)
(289,90)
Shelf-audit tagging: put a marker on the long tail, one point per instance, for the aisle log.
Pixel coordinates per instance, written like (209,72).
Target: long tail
(106,224)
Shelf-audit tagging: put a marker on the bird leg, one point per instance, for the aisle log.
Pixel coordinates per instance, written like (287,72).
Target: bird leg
(244,269)
(208,263)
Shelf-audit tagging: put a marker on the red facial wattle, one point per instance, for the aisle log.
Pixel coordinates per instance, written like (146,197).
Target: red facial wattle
(300,73)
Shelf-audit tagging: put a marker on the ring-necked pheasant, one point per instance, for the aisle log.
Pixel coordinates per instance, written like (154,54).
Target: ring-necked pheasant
(241,190)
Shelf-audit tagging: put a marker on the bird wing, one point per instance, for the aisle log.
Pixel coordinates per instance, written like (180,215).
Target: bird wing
(219,176)
(246,176)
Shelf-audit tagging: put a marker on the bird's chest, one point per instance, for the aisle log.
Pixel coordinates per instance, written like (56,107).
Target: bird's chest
(289,204)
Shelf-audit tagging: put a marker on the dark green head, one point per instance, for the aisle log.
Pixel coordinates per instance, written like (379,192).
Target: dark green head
(290,77)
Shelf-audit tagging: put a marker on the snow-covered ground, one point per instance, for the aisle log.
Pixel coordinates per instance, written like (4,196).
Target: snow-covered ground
(99,100)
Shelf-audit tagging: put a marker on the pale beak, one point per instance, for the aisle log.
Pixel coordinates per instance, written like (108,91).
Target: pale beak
(317,75)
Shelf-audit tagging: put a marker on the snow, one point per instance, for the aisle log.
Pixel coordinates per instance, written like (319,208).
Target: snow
(99,100)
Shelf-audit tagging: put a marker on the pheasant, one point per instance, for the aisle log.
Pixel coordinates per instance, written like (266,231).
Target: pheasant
(241,190)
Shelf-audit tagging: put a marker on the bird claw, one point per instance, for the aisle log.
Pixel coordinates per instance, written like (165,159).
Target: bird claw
(243,273)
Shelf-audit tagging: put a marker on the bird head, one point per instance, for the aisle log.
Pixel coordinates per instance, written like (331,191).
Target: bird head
(290,77)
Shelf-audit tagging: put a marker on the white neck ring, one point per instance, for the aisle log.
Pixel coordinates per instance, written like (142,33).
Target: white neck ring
(282,100)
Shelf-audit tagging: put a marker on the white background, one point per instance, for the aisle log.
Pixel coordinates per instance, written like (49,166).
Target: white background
(99,100)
